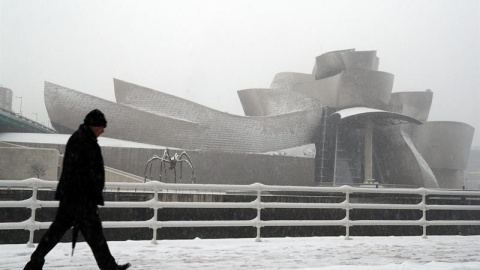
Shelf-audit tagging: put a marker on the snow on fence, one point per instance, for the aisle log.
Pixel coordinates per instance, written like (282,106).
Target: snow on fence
(259,189)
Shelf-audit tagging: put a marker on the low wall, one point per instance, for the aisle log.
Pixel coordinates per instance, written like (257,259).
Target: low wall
(5,144)
(21,162)
(212,167)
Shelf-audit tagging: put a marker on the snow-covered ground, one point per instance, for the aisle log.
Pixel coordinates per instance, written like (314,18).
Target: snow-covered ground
(325,253)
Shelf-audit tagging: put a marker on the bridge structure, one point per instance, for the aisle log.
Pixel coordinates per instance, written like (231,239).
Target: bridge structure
(12,122)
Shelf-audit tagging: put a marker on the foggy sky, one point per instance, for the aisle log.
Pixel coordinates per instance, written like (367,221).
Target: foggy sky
(205,51)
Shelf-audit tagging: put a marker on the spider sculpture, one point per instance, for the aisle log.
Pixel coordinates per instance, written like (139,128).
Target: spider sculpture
(172,160)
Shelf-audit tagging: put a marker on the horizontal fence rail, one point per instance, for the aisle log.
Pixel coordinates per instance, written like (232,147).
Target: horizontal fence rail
(258,191)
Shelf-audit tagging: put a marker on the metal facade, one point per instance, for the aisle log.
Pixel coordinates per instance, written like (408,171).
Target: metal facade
(298,109)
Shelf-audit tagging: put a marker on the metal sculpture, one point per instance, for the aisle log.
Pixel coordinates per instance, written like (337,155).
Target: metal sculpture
(172,161)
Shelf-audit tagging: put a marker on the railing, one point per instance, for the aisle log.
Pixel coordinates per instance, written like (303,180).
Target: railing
(257,190)
(34,123)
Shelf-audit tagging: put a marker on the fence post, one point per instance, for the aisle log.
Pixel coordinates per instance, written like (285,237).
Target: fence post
(259,210)
(33,208)
(155,217)
(424,213)
(347,215)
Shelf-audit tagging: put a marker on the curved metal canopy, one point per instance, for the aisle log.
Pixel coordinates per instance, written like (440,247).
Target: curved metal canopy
(358,115)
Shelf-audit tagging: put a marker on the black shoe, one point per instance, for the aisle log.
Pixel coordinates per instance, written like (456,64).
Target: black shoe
(123,266)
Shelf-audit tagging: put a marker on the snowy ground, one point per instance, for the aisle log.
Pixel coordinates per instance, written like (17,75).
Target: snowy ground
(325,253)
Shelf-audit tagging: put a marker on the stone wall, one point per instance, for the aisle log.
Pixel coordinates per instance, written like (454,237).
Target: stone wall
(212,167)
(23,163)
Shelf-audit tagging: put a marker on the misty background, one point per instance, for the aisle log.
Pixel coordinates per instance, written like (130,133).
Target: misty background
(205,51)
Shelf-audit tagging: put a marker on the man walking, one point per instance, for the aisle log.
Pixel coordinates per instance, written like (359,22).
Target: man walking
(80,192)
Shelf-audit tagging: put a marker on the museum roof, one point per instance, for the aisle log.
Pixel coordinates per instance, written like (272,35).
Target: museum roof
(358,115)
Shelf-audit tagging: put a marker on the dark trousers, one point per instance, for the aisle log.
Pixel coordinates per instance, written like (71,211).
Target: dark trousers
(88,221)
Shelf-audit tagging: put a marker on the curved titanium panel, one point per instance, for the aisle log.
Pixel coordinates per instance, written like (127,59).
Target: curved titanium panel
(329,64)
(444,144)
(399,162)
(365,88)
(366,60)
(266,102)
(351,88)
(332,63)
(67,109)
(171,106)
(253,103)
(286,80)
(450,178)
(225,131)
(446,148)
(414,104)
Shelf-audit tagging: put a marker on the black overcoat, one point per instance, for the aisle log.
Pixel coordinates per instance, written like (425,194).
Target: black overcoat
(83,175)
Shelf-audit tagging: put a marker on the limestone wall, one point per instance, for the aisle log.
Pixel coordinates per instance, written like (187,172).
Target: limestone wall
(21,163)
(5,144)
(212,167)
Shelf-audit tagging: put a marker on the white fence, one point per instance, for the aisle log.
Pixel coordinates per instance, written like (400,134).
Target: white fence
(259,190)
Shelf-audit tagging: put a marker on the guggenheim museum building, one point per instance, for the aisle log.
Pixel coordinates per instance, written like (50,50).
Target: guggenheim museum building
(339,125)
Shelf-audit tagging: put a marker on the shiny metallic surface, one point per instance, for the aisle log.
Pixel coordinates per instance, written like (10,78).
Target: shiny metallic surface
(446,147)
(366,60)
(67,109)
(329,64)
(414,104)
(266,102)
(286,80)
(351,88)
(154,117)
(398,160)
(444,144)
(333,63)
(345,110)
